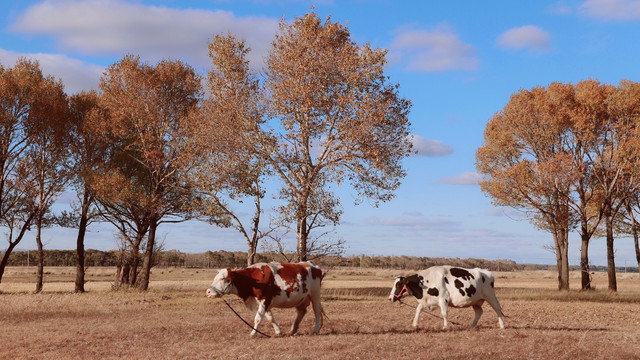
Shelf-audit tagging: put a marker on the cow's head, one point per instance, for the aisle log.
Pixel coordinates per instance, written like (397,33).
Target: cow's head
(221,284)
(399,289)
(406,286)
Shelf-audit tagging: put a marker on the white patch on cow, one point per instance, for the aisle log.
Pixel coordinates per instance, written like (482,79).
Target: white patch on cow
(283,285)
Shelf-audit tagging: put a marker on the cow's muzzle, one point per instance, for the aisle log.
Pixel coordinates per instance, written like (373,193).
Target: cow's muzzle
(399,295)
(213,293)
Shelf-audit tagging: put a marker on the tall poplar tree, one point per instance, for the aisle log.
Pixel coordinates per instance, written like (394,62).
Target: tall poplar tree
(150,110)
(27,99)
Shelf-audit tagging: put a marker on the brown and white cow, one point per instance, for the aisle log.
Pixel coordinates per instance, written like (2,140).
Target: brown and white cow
(449,286)
(273,285)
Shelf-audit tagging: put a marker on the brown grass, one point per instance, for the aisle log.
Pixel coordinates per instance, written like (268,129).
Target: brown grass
(174,320)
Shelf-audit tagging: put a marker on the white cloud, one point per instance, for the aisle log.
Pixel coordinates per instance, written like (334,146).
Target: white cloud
(103,27)
(467,178)
(611,9)
(75,74)
(430,148)
(433,51)
(525,37)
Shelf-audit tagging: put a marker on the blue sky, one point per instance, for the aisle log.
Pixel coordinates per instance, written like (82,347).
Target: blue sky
(458,62)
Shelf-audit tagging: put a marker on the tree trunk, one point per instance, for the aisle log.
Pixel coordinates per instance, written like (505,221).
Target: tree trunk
(251,257)
(12,245)
(302,239)
(148,257)
(562,257)
(122,278)
(635,242)
(584,257)
(134,262)
(40,272)
(634,230)
(611,263)
(5,258)
(82,229)
(584,265)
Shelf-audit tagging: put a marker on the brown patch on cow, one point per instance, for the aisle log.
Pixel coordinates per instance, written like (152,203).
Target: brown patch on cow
(255,281)
(289,274)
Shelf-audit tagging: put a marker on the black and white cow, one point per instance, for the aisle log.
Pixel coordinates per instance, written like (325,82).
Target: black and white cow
(449,286)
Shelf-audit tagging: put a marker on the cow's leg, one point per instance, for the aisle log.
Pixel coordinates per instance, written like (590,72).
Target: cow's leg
(444,309)
(418,311)
(493,301)
(302,309)
(276,327)
(317,310)
(259,315)
(477,307)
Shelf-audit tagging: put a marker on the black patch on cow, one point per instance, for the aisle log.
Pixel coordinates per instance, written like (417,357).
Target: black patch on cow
(492,284)
(460,286)
(462,273)
(446,281)
(413,283)
(433,292)
(471,290)
(483,279)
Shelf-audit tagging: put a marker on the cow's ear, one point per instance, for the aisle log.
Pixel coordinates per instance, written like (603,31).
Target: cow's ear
(228,274)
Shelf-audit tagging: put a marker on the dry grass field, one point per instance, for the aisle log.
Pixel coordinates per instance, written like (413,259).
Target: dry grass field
(174,320)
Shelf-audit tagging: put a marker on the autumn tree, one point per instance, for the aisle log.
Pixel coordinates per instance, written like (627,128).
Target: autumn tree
(88,153)
(121,188)
(575,144)
(150,110)
(230,170)
(25,94)
(579,141)
(45,159)
(525,165)
(335,118)
(617,157)
(122,198)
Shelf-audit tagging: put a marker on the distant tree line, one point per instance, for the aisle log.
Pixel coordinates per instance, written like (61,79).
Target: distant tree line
(237,259)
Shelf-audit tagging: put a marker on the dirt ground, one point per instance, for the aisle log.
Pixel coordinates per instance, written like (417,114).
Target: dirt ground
(174,320)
